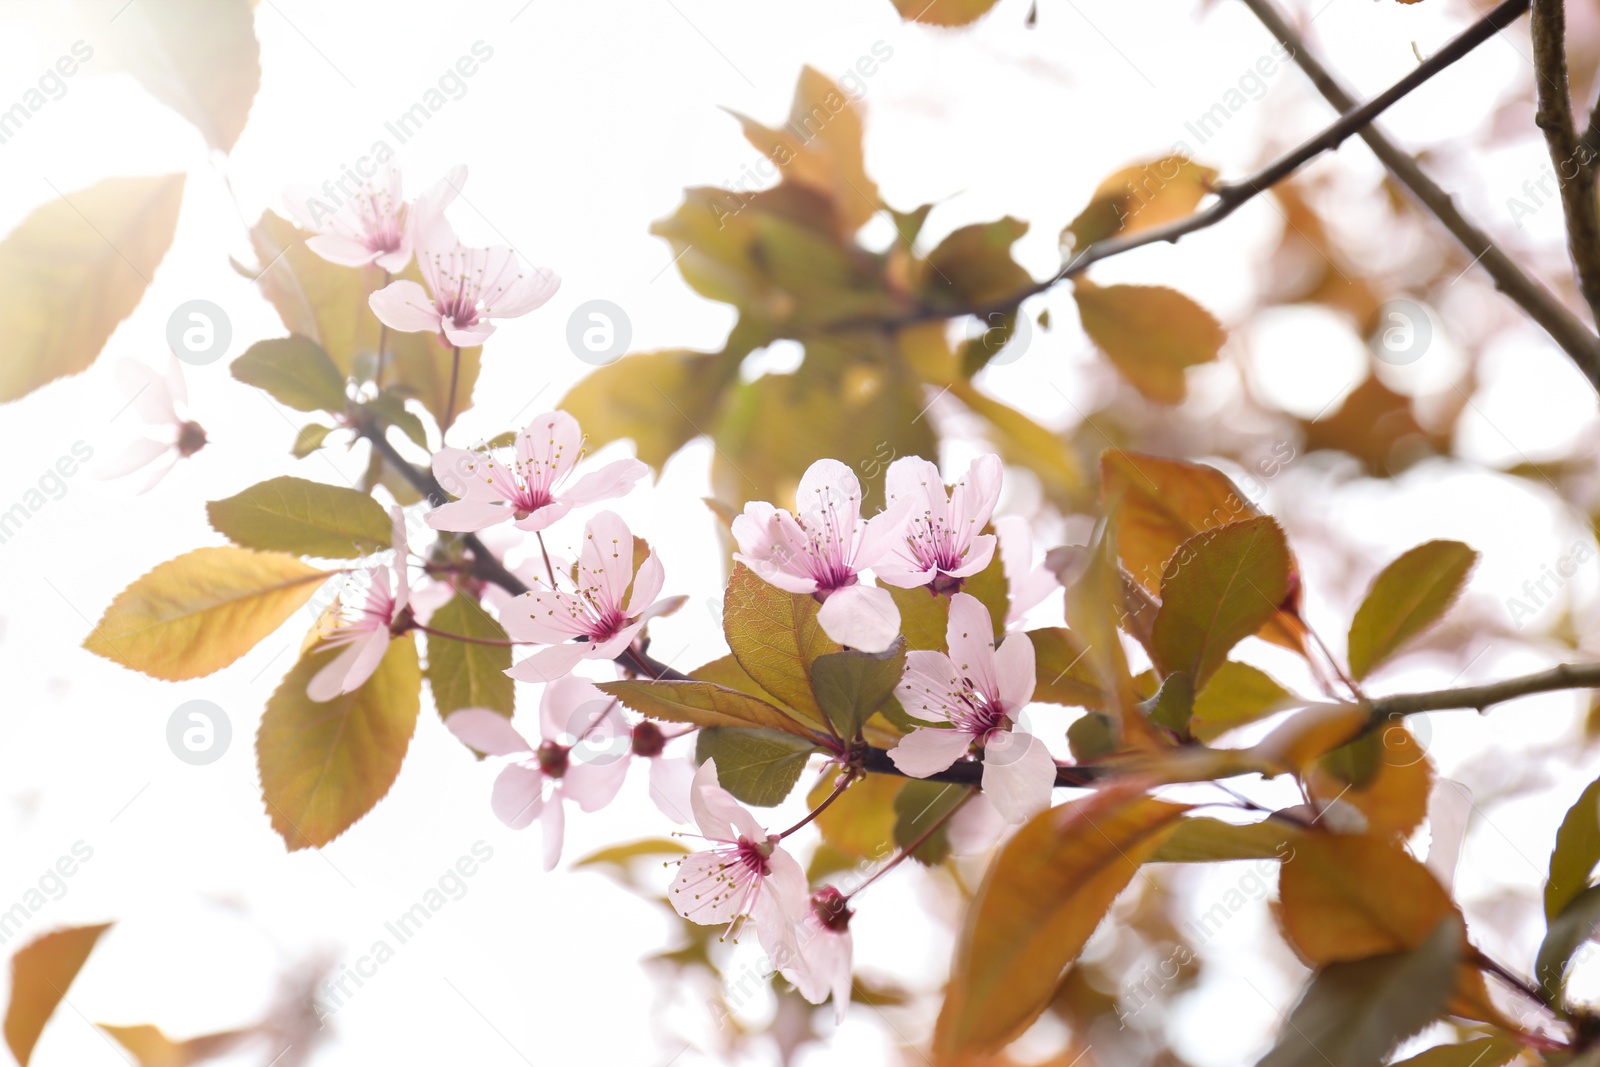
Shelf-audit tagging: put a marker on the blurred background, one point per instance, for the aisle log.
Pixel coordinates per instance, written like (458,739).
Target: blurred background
(580,128)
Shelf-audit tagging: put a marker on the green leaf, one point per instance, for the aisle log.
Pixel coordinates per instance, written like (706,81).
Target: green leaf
(1063,673)
(288,514)
(1354,1014)
(923,618)
(295,372)
(1091,736)
(659,400)
(323,766)
(1236,694)
(198,613)
(1052,883)
(776,638)
(851,686)
(1576,852)
(41,972)
(1150,334)
(1220,587)
(74,269)
(1567,933)
(1484,1052)
(1406,598)
(309,438)
(1173,703)
(702,704)
(920,805)
(758,766)
(972,267)
(1201,839)
(199,57)
(463,674)
(390,410)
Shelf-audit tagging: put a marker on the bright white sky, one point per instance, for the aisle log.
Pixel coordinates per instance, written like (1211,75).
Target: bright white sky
(578,132)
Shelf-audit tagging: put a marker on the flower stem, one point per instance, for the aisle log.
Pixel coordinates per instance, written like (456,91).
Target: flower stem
(838,788)
(383,342)
(921,840)
(548,570)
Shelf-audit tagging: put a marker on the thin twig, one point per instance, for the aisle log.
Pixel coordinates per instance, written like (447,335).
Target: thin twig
(1230,196)
(1542,306)
(1572,158)
(1483,697)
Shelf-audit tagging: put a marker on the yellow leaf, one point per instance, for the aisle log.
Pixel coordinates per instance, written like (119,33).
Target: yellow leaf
(152,1048)
(1386,775)
(324,765)
(1043,896)
(943,12)
(1140,197)
(198,613)
(41,972)
(74,269)
(1150,334)
(1350,897)
(1406,598)
(1309,734)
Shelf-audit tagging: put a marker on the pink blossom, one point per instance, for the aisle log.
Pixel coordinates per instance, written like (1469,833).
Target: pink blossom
(364,632)
(825,947)
(593,622)
(467,287)
(822,549)
(978,690)
(1027,584)
(746,874)
(578,758)
(533,490)
(940,540)
(375,225)
(159,401)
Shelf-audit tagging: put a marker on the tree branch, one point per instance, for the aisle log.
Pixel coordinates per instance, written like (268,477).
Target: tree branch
(1572,158)
(1482,697)
(1576,339)
(1230,196)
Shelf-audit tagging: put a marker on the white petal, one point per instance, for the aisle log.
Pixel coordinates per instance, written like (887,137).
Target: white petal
(1018,774)
(927,750)
(861,616)
(487,731)
(518,796)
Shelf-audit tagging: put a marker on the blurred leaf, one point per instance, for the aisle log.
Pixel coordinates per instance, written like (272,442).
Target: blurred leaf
(1150,334)
(1092,612)
(1158,504)
(1025,443)
(924,617)
(199,57)
(1173,703)
(920,805)
(1061,670)
(1386,775)
(758,766)
(851,686)
(776,638)
(1043,896)
(1482,1052)
(152,1048)
(972,267)
(1200,839)
(1309,734)
(1140,197)
(389,409)
(309,438)
(201,611)
(659,400)
(943,12)
(463,674)
(287,514)
(323,766)
(1377,426)
(702,704)
(1406,598)
(1091,736)
(1237,694)
(861,822)
(75,268)
(1576,852)
(1568,932)
(294,371)
(1347,897)
(41,972)
(1354,1014)
(1226,585)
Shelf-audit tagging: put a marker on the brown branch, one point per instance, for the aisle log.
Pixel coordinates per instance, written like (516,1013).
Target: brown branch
(1483,697)
(1541,305)
(1230,196)
(1572,158)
